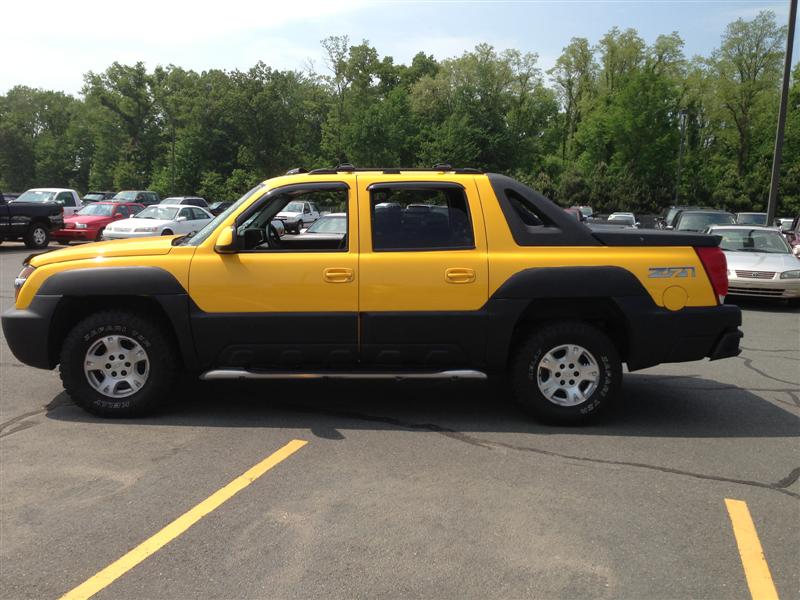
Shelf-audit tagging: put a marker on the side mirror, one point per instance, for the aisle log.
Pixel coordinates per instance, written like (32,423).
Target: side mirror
(226,241)
(118,216)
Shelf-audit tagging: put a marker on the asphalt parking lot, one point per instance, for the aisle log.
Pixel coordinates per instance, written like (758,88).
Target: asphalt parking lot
(409,490)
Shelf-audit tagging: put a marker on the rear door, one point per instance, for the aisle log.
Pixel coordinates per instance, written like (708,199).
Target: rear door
(423,272)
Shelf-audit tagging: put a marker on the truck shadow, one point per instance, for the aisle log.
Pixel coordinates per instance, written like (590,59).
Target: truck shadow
(649,406)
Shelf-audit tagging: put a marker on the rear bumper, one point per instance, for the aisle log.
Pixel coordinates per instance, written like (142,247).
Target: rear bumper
(658,335)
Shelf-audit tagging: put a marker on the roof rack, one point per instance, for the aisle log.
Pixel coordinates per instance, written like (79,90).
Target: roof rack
(439,167)
(296,171)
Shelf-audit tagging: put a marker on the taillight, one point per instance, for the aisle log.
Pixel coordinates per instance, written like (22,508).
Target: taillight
(713,259)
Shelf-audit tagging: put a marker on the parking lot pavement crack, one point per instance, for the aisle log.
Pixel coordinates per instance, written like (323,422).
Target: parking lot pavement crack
(748,362)
(6,429)
(491,445)
(776,350)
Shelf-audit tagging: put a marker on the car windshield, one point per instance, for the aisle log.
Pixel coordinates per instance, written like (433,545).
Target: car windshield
(751,218)
(752,240)
(125,196)
(699,221)
(162,213)
(293,207)
(96,210)
(329,225)
(36,196)
(206,231)
(92,197)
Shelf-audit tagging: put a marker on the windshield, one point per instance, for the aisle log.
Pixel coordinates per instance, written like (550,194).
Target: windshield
(751,218)
(752,240)
(699,221)
(92,197)
(126,196)
(623,218)
(163,213)
(36,196)
(96,210)
(206,231)
(329,225)
(293,207)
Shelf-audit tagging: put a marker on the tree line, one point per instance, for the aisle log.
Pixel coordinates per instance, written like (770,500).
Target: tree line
(603,127)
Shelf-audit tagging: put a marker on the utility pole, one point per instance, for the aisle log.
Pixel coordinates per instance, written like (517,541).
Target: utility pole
(682,119)
(772,204)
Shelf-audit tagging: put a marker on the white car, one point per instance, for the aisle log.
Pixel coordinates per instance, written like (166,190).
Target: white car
(760,262)
(69,200)
(159,219)
(298,214)
(624,218)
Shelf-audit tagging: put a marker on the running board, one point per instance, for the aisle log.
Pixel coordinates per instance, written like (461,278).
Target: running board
(219,374)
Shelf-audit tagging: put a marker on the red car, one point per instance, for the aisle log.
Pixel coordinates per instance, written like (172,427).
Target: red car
(88,223)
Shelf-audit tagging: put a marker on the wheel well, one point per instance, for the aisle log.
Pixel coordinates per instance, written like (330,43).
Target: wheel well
(602,313)
(72,309)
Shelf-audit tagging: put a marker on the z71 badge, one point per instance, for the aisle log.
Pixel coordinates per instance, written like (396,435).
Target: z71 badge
(662,272)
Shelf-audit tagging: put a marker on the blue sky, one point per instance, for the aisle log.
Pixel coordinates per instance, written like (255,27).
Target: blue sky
(74,37)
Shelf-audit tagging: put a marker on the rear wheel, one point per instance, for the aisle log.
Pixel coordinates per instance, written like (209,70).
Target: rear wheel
(37,236)
(118,364)
(566,372)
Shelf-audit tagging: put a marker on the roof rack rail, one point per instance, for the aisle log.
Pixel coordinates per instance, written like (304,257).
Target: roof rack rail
(439,167)
(296,171)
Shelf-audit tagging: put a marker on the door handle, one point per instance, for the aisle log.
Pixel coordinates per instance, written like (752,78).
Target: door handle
(337,275)
(459,275)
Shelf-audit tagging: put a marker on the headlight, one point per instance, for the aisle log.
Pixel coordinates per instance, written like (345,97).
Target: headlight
(145,229)
(790,275)
(21,279)
(80,225)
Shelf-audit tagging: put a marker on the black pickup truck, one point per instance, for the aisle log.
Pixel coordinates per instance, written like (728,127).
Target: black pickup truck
(31,222)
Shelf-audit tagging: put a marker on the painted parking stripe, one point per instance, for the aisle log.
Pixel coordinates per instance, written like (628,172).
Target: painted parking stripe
(756,570)
(152,544)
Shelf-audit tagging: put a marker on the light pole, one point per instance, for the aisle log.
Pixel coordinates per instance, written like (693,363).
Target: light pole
(776,157)
(682,120)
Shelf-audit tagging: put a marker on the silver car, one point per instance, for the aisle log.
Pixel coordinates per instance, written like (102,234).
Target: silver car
(760,262)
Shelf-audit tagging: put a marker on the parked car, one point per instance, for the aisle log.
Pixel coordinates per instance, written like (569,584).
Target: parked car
(575,212)
(586,211)
(186,200)
(297,214)
(138,196)
(505,282)
(700,220)
(163,219)
(760,262)
(69,200)
(9,196)
(326,232)
(624,218)
(751,218)
(667,221)
(30,221)
(218,207)
(98,196)
(88,224)
(784,223)
(792,234)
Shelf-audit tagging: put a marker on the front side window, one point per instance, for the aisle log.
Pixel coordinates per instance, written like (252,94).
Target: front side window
(423,218)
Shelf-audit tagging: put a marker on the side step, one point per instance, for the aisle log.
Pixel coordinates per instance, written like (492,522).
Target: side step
(219,374)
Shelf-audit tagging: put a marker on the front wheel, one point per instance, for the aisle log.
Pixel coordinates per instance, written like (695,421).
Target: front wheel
(566,372)
(37,237)
(118,364)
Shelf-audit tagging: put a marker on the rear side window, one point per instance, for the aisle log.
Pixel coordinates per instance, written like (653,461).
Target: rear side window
(123,210)
(66,199)
(525,209)
(420,218)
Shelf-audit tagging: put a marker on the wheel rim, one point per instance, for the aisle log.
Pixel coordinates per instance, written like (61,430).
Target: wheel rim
(568,375)
(39,236)
(116,366)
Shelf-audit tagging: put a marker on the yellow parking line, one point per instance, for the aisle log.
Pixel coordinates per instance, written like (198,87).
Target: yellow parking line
(756,570)
(124,564)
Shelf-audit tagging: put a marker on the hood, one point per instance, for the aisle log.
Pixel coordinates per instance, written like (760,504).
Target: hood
(288,215)
(85,218)
(133,222)
(762,261)
(133,247)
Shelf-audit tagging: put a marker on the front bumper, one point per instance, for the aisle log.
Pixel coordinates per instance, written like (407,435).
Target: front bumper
(27,331)
(82,235)
(764,288)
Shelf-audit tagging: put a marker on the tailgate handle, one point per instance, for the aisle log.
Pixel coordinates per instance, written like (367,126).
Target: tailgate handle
(338,275)
(459,275)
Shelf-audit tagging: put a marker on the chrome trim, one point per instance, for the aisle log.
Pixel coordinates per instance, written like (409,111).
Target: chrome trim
(219,374)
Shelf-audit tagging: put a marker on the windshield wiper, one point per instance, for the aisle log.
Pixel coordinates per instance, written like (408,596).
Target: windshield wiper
(178,241)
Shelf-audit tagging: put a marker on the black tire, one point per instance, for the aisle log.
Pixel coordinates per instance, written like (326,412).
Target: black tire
(63,242)
(525,371)
(37,237)
(148,334)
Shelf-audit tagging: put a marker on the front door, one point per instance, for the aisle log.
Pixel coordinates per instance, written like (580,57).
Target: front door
(280,303)
(424,273)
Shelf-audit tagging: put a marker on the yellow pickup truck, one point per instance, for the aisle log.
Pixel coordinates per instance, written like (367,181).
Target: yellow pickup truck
(439,273)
